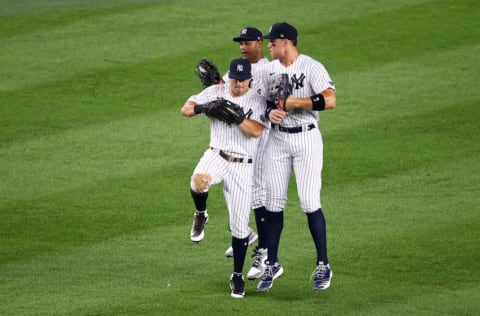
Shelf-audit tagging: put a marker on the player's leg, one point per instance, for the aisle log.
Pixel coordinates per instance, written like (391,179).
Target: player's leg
(307,166)
(207,172)
(259,189)
(259,198)
(322,274)
(308,170)
(277,170)
(259,210)
(237,188)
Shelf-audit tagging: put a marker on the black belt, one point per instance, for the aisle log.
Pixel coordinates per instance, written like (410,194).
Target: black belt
(229,158)
(292,130)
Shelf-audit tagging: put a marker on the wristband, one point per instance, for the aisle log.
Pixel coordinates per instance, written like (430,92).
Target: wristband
(318,102)
(270,107)
(199,108)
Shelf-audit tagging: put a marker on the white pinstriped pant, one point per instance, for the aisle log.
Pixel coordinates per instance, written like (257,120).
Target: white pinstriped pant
(301,153)
(237,188)
(259,181)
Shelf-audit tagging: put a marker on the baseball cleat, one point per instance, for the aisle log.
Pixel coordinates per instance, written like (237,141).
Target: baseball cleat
(271,273)
(258,266)
(251,239)
(322,275)
(200,219)
(237,285)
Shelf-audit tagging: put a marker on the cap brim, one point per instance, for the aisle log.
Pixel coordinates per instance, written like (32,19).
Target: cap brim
(241,78)
(239,39)
(268,36)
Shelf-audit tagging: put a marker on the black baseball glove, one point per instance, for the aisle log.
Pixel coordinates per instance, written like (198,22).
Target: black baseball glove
(208,73)
(280,90)
(223,110)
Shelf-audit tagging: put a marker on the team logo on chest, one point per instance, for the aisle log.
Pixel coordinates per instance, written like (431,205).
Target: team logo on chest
(297,83)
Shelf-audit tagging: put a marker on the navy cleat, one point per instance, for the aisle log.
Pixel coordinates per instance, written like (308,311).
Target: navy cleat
(271,273)
(322,275)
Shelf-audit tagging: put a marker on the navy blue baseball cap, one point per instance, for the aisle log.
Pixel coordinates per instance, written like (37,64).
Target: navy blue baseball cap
(249,34)
(240,69)
(283,31)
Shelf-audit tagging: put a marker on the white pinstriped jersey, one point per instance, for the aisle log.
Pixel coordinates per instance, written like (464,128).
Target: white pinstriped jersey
(255,67)
(307,77)
(256,70)
(229,137)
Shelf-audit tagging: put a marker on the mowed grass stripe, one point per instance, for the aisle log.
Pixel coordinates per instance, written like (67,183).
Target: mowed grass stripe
(104,275)
(406,33)
(98,39)
(82,157)
(403,87)
(423,142)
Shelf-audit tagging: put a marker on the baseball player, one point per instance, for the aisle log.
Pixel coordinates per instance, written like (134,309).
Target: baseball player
(251,47)
(295,144)
(229,159)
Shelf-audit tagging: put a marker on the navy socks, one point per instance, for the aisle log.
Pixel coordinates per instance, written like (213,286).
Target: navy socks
(274,229)
(200,200)
(318,230)
(239,253)
(260,218)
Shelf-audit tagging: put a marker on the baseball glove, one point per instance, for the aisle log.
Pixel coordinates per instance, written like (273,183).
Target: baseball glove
(280,89)
(208,73)
(225,111)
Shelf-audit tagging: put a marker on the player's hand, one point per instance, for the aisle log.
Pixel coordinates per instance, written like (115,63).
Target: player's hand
(277,116)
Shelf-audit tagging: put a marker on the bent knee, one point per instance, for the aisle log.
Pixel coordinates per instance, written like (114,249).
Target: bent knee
(200,182)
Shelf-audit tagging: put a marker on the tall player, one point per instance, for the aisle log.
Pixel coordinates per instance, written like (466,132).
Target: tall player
(229,159)
(295,144)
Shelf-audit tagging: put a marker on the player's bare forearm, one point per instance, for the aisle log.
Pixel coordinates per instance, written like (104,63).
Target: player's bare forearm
(251,128)
(329,97)
(187,109)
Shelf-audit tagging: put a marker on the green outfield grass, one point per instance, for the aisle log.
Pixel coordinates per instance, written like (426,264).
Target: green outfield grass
(95,159)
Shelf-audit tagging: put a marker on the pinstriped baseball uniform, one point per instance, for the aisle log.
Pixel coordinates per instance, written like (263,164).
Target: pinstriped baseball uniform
(236,177)
(300,152)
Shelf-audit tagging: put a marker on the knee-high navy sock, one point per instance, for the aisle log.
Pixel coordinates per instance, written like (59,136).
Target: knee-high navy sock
(239,253)
(274,226)
(200,200)
(318,230)
(260,214)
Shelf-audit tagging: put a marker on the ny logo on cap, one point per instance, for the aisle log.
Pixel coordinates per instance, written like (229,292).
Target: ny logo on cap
(240,68)
(244,31)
